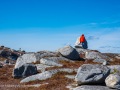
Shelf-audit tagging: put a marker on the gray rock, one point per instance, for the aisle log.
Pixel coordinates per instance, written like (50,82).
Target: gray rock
(45,75)
(69,52)
(81,50)
(95,55)
(67,70)
(113,81)
(99,60)
(24,71)
(87,87)
(43,54)
(26,58)
(42,67)
(58,58)
(50,62)
(92,74)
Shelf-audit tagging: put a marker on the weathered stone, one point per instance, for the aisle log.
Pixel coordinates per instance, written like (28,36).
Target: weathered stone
(24,71)
(102,61)
(95,55)
(92,74)
(50,62)
(81,50)
(69,52)
(43,54)
(42,67)
(26,58)
(113,81)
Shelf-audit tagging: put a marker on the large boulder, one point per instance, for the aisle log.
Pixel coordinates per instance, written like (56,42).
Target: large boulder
(87,87)
(113,81)
(92,74)
(24,71)
(26,58)
(69,52)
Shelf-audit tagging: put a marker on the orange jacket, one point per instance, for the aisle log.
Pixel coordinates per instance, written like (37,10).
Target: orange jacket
(82,39)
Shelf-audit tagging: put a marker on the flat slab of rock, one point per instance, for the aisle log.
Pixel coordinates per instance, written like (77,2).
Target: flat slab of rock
(92,74)
(87,87)
(42,67)
(50,62)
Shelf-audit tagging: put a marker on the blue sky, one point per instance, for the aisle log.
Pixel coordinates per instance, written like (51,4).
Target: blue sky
(37,25)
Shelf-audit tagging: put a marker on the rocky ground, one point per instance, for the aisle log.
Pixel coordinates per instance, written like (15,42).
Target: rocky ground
(67,68)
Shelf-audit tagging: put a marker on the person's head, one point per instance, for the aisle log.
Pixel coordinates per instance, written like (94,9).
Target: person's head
(82,34)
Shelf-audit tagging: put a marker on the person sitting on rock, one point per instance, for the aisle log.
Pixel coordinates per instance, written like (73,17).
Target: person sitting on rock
(81,42)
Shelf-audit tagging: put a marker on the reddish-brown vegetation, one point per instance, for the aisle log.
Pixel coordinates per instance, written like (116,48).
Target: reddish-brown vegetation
(57,82)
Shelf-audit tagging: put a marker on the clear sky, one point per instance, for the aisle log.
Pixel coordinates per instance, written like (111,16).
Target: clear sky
(35,25)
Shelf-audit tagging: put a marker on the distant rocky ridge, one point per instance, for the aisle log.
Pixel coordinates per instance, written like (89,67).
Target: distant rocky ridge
(33,66)
(9,55)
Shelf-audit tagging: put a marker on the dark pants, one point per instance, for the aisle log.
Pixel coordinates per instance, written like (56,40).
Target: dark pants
(84,45)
